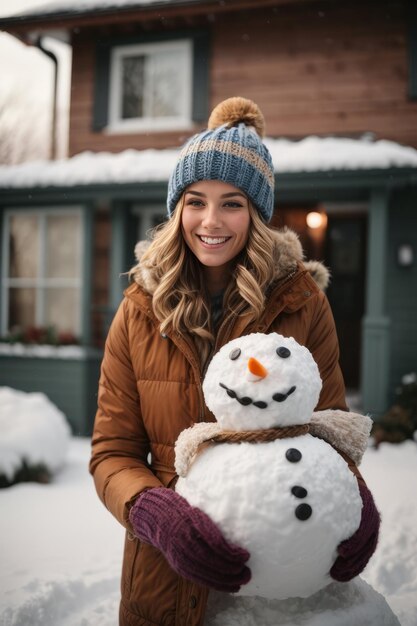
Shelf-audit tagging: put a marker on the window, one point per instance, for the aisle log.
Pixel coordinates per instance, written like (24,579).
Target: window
(151,83)
(146,218)
(150,86)
(42,270)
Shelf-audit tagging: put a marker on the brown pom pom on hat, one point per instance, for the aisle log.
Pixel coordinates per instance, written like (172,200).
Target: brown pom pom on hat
(231,150)
(235,111)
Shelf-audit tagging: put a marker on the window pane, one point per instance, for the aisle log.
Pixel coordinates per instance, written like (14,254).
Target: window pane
(21,307)
(62,305)
(166,83)
(133,70)
(23,246)
(63,246)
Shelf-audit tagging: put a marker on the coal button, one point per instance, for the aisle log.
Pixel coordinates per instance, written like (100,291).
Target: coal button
(293,455)
(303,512)
(299,492)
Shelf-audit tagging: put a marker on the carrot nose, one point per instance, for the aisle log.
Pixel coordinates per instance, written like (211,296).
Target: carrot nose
(257,369)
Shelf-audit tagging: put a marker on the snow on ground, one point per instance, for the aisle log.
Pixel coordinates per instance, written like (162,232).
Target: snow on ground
(391,475)
(61,550)
(311,154)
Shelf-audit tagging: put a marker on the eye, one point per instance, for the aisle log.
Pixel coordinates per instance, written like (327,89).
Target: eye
(233,205)
(235,354)
(194,202)
(283,352)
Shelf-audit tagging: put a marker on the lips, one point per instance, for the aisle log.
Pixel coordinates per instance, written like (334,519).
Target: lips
(213,241)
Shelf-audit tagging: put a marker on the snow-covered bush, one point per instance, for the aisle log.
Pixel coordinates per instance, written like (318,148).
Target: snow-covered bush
(34,437)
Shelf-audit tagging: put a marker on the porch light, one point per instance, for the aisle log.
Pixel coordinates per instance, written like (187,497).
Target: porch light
(405,255)
(316,220)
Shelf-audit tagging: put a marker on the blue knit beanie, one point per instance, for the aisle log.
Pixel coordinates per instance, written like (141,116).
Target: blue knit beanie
(230,150)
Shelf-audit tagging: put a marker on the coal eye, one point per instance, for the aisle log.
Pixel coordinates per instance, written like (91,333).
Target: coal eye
(284,353)
(235,354)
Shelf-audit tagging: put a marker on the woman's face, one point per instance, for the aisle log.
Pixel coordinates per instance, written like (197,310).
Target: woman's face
(215,222)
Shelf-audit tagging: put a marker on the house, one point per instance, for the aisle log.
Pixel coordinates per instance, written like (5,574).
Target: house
(337,82)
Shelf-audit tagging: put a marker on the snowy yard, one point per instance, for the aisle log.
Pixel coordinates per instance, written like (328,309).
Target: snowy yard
(61,550)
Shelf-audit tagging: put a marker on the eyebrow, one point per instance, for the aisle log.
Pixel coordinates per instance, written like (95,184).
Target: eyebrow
(225,195)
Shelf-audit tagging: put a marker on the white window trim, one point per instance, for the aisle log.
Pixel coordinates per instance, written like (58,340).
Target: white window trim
(146,215)
(38,283)
(118,125)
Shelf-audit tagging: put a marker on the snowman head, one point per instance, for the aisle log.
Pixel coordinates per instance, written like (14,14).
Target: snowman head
(262,381)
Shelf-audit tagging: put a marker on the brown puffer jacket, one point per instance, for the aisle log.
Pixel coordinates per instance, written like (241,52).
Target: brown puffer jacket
(150,390)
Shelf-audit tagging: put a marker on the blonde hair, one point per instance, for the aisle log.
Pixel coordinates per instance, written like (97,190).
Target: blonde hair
(180,299)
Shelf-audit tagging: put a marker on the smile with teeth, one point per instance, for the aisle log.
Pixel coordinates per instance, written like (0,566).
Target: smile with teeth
(213,241)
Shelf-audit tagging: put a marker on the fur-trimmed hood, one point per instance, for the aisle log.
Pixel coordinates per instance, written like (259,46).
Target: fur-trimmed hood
(288,253)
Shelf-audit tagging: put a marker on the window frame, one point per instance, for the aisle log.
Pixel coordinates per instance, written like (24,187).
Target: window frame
(144,215)
(199,87)
(41,283)
(116,123)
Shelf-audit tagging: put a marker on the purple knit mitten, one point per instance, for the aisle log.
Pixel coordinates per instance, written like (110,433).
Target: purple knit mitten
(190,541)
(354,553)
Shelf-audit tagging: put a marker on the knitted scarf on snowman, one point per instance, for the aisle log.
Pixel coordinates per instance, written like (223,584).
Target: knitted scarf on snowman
(346,432)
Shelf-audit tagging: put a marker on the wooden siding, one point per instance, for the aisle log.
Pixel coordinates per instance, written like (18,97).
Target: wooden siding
(327,68)
(339,70)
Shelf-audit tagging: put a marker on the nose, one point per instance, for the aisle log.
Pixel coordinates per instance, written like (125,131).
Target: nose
(256,370)
(211,218)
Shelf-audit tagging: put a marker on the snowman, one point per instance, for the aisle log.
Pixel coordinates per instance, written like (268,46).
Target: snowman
(265,472)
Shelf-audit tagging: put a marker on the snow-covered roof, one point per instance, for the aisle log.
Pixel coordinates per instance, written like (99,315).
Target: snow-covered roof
(58,7)
(311,154)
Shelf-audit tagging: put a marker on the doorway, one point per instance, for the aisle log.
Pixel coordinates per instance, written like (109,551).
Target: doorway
(345,255)
(340,243)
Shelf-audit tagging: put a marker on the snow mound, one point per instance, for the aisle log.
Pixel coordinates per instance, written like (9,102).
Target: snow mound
(339,604)
(66,603)
(34,434)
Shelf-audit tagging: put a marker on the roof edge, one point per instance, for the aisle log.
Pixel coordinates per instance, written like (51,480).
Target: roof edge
(24,22)
(337,184)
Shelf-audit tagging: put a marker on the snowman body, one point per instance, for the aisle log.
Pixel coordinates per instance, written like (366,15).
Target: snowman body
(290,515)
(289,501)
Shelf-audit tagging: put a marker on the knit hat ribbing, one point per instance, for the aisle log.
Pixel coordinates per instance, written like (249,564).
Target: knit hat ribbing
(230,150)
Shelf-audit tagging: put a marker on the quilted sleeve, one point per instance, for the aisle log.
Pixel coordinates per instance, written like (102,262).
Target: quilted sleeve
(324,346)
(120,444)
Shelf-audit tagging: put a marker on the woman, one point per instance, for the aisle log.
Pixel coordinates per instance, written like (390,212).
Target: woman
(213,272)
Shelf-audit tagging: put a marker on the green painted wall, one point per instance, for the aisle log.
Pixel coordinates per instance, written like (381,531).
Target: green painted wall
(71,384)
(401,289)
